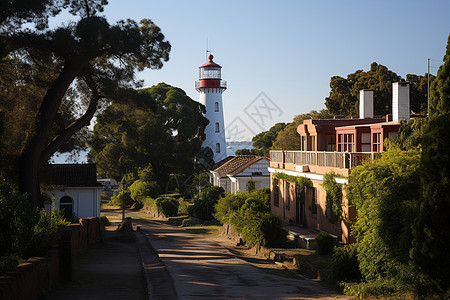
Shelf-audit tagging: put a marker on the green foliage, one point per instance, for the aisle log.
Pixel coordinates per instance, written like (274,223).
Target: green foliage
(205,201)
(263,141)
(46,233)
(250,214)
(431,241)
(410,134)
(201,179)
(168,206)
(299,180)
(252,152)
(78,67)
(8,263)
(163,129)
(345,265)
(141,189)
(229,205)
(259,228)
(344,94)
(333,209)
(384,193)
(325,244)
(25,231)
(251,185)
(120,197)
(288,138)
(378,287)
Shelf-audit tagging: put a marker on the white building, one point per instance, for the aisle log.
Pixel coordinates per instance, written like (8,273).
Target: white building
(73,189)
(241,173)
(211,86)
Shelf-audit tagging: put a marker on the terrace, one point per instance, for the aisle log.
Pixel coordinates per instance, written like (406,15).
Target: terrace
(319,161)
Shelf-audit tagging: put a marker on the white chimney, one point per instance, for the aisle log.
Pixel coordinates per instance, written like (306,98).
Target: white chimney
(400,101)
(365,104)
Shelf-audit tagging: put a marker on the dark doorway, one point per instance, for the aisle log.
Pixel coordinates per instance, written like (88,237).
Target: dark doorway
(66,206)
(300,205)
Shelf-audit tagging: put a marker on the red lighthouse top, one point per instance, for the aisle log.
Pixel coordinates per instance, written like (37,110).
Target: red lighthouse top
(210,63)
(210,76)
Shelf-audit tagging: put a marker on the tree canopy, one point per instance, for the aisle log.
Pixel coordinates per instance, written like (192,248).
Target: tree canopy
(163,131)
(288,138)
(344,95)
(89,62)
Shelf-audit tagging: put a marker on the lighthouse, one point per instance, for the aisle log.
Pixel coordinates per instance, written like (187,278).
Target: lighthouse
(211,86)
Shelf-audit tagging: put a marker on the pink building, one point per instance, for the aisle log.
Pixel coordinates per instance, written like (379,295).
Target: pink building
(331,145)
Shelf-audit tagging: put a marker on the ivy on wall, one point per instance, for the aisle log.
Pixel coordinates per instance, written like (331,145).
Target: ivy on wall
(333,207)
(301,181)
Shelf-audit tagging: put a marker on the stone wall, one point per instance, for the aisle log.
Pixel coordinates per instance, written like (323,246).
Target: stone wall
(39,274)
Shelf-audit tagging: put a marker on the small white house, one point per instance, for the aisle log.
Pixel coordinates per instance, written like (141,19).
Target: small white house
(73,188)
(241,173)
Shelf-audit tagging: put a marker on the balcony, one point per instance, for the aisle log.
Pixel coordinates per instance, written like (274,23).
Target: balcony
(320,161)
(211,83)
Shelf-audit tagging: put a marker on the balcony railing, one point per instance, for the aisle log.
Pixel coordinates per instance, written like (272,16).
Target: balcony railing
(216,83)
(344,160)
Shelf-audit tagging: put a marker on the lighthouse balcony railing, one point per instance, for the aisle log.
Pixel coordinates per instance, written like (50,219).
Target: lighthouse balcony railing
(207,84)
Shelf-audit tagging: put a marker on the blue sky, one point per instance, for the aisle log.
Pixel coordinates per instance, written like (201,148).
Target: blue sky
(283,53)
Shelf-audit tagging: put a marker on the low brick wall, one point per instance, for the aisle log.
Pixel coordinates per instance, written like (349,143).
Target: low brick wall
(39,274)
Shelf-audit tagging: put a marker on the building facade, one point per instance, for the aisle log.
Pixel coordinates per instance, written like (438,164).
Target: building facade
(332,145)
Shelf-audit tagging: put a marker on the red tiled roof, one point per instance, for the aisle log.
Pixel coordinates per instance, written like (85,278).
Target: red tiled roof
(248,164)
(233,164)
(218,164)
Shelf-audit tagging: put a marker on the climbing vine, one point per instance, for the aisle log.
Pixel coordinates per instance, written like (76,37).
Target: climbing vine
(333,209)
(301,181)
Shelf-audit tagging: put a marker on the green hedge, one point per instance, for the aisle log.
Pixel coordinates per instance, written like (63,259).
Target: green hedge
(168,206)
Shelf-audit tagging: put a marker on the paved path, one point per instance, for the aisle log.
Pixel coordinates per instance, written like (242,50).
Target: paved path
(202,269)
(108,270)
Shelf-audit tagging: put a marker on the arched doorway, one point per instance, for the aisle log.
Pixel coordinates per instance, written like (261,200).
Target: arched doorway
(66,205)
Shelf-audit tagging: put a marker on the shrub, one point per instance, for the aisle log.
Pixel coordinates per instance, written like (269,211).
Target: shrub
(256,205)
(344,265)
(184,207)
(25,230)
(260,229)
(325,244)
(168,206)
(229,205)
(141,189)
(119,197)
(205,201)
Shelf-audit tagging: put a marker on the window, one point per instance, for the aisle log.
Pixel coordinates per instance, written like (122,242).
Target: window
(276,193)
(331,143)
(216,106)
(66,205)
(314,201)
(376,142)
(346,142)
(217,147)
(217,127)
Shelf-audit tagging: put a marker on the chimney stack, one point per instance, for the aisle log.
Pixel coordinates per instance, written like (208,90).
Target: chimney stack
(400,101)
(365,104)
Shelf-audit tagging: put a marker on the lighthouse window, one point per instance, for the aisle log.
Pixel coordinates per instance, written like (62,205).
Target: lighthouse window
(217,127)
(217,148)
(216,106)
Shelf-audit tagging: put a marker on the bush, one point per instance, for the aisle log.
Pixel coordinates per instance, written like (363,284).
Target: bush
(229,205)
(184,207)
(379,287)
(325,244)
(260,229)
(25,231)
(168,206)
(119,197)
(141,189)
(344,265)
(205,202)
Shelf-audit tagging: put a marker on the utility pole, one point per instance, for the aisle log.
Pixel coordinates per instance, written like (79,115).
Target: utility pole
(428,86)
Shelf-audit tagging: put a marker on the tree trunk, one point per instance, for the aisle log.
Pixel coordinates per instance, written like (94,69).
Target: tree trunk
(31,156)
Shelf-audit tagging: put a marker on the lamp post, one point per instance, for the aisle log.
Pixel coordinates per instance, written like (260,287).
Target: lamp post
(124,184)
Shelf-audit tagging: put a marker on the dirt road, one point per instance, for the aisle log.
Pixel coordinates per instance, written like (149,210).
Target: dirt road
(203,269)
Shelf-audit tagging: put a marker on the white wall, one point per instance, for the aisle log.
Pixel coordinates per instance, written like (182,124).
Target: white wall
(86,200)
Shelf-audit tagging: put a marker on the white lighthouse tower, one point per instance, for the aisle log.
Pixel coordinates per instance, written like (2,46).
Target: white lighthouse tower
(211,86)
